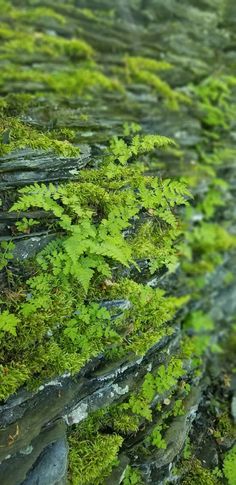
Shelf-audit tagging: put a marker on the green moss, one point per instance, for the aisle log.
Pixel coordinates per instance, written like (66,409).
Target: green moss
(37,15)
(92,452)
(144,70)
(215,101)
(108,223)
(16,104)
(68,82)
(193,473)
(12,377)
(229,467)
(122,420)
(15,135)
(92,461)
(135,64)
(225,428)
(52,312)
(205,245)
(46,45)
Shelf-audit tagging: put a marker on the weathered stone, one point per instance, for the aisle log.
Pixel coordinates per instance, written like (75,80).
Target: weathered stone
(14,469)
(51,467)
(72,399)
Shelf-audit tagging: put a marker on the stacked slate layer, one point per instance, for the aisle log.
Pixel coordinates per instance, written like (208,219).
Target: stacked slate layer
(198,39)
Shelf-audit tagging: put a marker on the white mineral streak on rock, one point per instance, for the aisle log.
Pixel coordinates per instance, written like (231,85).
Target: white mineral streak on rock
(55,382)
(193,411)
(27,450)
(120,390)
(79,413)
(6,458)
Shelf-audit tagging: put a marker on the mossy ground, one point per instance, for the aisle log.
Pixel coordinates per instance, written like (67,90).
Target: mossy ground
(108,222)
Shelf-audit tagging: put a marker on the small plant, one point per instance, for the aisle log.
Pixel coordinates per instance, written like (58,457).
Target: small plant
(6,253)
(157,439)
(8,323)
(25,225)
(187,452)
(132,477)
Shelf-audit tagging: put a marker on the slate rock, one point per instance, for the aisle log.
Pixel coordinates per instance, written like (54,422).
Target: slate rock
(51,467)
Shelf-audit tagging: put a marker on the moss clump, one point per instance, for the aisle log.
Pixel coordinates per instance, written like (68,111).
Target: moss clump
(144,70)
(91,461)
(195,474)
(44,45)
(225,427)
(229,466)
(215,101)
(15,135)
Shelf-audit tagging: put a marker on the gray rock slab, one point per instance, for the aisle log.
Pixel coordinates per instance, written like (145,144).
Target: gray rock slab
(51,467)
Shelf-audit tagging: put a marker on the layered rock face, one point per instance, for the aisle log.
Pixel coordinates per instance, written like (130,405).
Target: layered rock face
(118,236)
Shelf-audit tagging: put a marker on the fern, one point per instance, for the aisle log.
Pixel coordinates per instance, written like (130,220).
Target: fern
(157,439)
(8,323)
(6,253)
(91,244)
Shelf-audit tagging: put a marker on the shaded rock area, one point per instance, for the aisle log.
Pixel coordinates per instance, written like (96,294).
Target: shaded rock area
(198,39)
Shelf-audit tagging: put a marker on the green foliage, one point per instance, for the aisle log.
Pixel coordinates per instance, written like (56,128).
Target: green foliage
(122,420)
(205,244)
(187,452)
(6,253)
(149,316)
(167,376)
(132,477)
(215,101)
(199,322)
(92,324)
(144,70)
(211,237)
(194,473)
(178,409)
(72,81)
(139,145)
(37,14)
(12,378)
(8,323)
(94,219)
(131,128)
(225,427)
(157,439)
(15,135)
(25,225)
(75,206)
(135,64)
(211,201)
(164,379)
(229,467)
(24,44)
(108,223)
(92,461)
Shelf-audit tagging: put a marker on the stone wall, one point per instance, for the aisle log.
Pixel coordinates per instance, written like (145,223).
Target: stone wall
(197,38)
